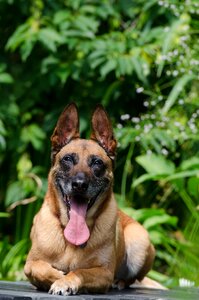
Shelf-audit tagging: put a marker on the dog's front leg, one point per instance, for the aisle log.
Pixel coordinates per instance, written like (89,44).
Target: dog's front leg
(97,280)
(42,274)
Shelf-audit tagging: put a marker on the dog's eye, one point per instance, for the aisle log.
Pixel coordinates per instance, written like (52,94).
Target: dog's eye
(98,163)
(67,159)
(98,167)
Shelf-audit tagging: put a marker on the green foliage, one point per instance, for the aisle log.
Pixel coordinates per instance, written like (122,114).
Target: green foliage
(138,58)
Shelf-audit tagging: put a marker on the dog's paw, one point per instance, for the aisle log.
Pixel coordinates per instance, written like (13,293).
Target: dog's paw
(64,287)
(118,284)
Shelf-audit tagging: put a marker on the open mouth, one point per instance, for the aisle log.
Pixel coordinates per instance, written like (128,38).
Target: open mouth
(76,231)
(79,199)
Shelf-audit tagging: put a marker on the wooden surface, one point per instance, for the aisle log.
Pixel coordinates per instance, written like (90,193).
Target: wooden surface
(25,291)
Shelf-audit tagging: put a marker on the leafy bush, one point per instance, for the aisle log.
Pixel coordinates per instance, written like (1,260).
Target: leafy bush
(138,58)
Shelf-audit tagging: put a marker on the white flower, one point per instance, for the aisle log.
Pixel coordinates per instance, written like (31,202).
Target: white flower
(175,73)
(177,124)
(176,14)
(153,117)
(173,6)
(181,101)
(147,127)
(164,151)
(184,38)
(135,120)
(194,115)
(137,138)
(175,52)
(137,127)
(161,3)
(160,124)
(125,117)
(139,90)
(165,119)
(163,57)
(149,152)
(185,27)
(192,127)
(119,126)
(168,73)
(183,282)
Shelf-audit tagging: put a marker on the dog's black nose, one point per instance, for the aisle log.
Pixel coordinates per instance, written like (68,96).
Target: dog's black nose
(80,182)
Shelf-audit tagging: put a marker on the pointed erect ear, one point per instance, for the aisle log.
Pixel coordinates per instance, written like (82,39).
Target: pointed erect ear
(102,131)
(66,129)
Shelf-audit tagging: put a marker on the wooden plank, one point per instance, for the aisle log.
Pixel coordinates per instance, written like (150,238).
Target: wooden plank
(25,291)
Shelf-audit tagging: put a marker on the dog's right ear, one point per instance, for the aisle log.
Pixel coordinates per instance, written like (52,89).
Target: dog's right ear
(67,128)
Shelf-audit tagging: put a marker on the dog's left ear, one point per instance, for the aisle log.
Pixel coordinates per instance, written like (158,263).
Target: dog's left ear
(67,128)
(102,131)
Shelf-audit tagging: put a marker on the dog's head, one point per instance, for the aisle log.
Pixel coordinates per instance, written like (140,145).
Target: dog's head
(82,171)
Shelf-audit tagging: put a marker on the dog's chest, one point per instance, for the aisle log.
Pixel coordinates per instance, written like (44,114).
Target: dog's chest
(73,258)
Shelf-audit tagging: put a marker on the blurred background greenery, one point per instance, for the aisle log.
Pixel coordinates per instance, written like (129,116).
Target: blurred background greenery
(140,59)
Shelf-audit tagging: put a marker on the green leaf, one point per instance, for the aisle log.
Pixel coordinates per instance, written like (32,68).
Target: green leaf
(146,177)
(63,72)
(15,192)
(18,37)
(61,16)
(156,164)
(87,24)
(6,78)
(182,174)
(34,135)
(50,38)
(156,145)
(47,63)
(158,220)
(4,215)
(176,90)
(2,128)
(17,250)
(163,138)
(124,66)
(193,187)
(138,69)
(27,47)
(155,237)
(109,66)
(191,163)
(97,61)
(24,165)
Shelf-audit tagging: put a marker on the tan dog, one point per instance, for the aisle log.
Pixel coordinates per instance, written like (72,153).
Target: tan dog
(81,241)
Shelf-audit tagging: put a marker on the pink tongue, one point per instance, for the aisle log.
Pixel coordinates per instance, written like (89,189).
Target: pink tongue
(76,231)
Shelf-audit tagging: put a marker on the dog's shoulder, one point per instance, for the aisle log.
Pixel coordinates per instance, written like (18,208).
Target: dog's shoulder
(46,233)
(125,219)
